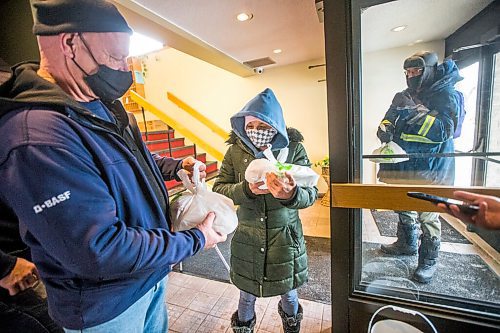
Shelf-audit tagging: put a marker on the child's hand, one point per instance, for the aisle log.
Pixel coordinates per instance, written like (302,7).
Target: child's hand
(254,187)
(281,188)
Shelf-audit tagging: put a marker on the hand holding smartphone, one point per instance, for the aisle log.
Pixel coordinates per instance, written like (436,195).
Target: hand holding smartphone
(464,207)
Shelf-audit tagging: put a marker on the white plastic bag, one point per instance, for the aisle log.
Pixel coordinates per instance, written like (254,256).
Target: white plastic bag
(389,148)
(191,208)
(257,169)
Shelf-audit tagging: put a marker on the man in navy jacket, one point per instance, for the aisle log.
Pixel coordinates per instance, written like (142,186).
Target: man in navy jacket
(90,199)
(423,118)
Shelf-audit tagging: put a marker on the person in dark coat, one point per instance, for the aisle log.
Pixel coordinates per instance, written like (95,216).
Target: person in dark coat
(422,119)
(268,253)
(23,300)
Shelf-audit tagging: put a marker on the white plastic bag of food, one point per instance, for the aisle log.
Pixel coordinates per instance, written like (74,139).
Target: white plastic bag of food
(389,148)
(191,208)
(257,169)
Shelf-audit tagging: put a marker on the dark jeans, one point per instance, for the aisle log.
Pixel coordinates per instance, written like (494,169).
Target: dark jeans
(26,312)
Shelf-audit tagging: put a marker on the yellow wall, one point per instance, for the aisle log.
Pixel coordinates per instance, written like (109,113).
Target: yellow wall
(219,94)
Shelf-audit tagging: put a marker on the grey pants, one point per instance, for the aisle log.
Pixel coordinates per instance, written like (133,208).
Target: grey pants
(429,221)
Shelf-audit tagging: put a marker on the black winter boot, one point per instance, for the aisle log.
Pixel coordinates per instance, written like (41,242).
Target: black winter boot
(242,326)
(407,243)
(427,259)
(291,324)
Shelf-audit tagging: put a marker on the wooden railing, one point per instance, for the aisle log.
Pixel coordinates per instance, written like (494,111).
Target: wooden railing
(177,126)
(393,197)
(198,116)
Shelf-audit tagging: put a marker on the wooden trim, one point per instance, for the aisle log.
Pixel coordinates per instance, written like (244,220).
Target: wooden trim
(393,197)
(198,116)
(177,126)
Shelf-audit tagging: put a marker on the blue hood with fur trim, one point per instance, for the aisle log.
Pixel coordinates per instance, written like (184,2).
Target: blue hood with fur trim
(266,107)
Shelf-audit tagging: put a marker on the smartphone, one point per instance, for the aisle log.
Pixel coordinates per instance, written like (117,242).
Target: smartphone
(464,207)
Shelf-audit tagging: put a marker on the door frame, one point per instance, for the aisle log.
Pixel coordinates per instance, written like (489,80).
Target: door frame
(351,309)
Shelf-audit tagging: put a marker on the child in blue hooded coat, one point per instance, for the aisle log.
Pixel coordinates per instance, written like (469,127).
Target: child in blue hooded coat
(268,254)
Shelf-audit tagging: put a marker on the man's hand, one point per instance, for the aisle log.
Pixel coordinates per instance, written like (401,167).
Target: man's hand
(211,236)
(281,188)
(254,187)
(188,164)
(487,217)
(386,132)
(24,275)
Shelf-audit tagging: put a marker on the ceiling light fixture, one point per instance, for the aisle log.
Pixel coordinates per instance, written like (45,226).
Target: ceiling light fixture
(399,28)
(418,41)
(242,17)
(277,51)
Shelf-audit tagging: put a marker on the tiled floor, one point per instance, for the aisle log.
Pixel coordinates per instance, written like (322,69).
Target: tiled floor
(201,305)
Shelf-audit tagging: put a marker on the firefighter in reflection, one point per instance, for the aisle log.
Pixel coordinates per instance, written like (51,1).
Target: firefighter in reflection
(424,118)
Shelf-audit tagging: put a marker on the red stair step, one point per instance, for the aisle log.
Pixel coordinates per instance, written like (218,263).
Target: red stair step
(158,135)
(202,157)
(176,152)
(164,144)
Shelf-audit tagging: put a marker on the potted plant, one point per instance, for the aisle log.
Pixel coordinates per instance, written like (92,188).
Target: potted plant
(325,173)
(325,166)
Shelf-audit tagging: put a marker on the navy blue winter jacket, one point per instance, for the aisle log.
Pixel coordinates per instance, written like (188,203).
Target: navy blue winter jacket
(431,134)
(86,196)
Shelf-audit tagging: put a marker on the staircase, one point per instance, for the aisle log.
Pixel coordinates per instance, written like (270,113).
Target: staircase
(164,143)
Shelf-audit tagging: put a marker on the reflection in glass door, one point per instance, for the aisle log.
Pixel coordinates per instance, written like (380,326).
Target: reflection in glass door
(465,143)
(394,244)
(493,167)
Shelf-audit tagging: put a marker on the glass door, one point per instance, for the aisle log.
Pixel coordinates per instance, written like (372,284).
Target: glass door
(388,248)
(493,168)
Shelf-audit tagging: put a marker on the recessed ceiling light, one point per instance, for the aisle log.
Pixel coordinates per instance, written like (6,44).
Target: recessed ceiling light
(399,28)
(418,41)
(242,17)
(277,51)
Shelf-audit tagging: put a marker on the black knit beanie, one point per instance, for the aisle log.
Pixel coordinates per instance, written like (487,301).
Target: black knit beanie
(53,17)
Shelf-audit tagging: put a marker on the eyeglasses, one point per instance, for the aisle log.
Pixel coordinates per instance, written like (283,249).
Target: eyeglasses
(413,71)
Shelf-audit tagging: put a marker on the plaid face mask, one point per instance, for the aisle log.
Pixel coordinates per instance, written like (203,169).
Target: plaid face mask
(259,137)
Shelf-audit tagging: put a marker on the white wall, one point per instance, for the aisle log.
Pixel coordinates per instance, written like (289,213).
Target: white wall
(219,94)
(382,77)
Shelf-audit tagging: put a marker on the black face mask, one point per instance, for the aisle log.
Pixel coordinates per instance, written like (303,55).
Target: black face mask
(414,83)
(108,84)
(423,81)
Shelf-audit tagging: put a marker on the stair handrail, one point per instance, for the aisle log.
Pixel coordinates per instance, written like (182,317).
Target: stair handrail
(198,116)
(177,126)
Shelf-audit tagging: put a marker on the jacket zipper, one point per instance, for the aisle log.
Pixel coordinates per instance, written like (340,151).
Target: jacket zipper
(294,238)
(265,246)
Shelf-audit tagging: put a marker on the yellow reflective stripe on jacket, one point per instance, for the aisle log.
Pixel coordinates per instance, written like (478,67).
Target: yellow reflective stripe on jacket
(426,126)
(416,138)
(386,122)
